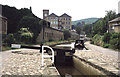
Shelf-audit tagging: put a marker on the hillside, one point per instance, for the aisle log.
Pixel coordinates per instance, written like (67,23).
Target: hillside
(14,16)
(87,21)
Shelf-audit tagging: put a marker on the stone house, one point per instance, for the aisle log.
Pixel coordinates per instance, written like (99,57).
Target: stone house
(114,25)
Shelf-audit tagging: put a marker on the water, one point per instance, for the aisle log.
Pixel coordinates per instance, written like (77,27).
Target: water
(68,70)
(65,67)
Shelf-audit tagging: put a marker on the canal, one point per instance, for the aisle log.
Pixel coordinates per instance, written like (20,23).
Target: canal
(66,68)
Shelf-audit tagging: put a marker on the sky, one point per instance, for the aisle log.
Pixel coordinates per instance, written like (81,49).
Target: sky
(77,9)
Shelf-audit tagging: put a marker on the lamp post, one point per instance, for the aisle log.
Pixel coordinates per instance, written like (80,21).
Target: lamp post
(107,22)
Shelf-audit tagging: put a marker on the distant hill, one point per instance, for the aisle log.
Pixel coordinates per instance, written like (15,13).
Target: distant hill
(87,21)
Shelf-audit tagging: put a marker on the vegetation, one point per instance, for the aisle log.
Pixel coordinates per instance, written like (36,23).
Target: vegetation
(87,21)
(57,42)
(101,26)
(98,32)
(66,34)
(108,40)
(78,30)
(32,23)
(19,21)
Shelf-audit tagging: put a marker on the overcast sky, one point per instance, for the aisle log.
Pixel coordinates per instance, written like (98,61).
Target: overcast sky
(78,9)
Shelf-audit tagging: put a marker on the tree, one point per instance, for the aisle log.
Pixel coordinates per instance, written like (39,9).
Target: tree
(13,16)
(10,39)
(24,35)
(87,29)
(100,27)
(66,34)
(32,23)
(78,29)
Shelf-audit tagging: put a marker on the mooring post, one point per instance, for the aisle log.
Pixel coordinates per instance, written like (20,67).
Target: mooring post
(41,48)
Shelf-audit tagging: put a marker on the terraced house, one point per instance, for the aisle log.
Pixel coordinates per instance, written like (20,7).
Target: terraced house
(58,22)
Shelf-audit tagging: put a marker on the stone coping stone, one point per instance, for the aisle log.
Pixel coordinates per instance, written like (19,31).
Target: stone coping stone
(105,61)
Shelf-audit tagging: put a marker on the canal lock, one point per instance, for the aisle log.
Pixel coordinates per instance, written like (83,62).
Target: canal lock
(69,64)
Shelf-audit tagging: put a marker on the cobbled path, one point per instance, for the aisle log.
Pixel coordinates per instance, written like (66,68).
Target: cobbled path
(27,62)
(101,57)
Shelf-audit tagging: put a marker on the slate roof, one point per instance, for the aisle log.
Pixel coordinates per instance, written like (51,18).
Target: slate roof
(52,15)
(115,20)
(65,15)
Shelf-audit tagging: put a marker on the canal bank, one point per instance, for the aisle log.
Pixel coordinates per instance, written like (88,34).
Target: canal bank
(93,63)
(27,62)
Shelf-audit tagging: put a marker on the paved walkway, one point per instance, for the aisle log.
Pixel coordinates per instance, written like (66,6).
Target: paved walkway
(101,49)
(25,62)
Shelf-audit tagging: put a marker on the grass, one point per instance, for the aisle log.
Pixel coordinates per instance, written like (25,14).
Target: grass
(4,48)
(56,42)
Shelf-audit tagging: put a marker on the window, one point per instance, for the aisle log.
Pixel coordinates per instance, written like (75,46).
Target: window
(69,22)
(66,22)
(54,22)
(51,22)
(56,18)
(69,18)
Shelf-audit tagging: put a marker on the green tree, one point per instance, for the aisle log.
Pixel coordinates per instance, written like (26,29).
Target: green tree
(101,26)
(78,29)
(107,37)
(66,34)
(13,16)
(24,35)
(10,39)
(87,29)
(32,23)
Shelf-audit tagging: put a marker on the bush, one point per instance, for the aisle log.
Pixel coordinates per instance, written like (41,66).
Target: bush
(51,40)
(66,34)
(10,39)
(97,40)
(106,37)
(24,36)
(114,43)
(106,45)
(109,40)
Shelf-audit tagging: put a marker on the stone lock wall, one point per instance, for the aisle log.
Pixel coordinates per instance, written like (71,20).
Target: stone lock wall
(48,33)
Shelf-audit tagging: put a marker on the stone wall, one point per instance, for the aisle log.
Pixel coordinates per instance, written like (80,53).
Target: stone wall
(48,33)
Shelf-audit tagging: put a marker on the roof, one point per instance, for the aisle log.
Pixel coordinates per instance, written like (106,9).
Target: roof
(73,33)
(115,20)
(52,15)
(2,16)
(65,15)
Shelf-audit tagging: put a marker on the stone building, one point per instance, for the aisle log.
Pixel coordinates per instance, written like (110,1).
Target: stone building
(48,33)
(58,22)
(114,25)
(3,25)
